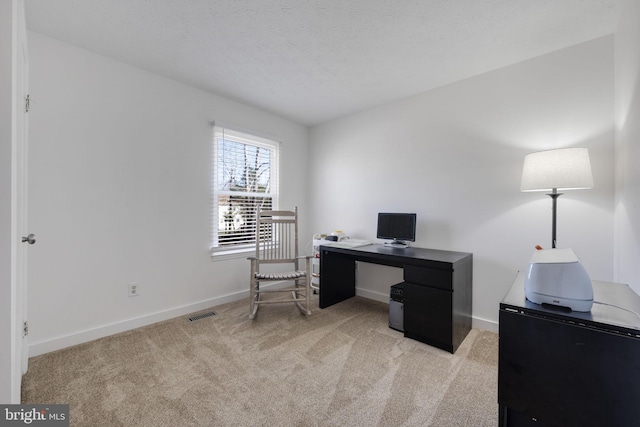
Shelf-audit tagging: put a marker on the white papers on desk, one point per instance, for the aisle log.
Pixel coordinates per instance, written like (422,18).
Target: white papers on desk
(350,243)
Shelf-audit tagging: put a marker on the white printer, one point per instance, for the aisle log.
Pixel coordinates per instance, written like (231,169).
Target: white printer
(556,277)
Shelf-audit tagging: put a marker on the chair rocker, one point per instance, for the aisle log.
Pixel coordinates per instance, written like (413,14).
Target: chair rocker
(277,260)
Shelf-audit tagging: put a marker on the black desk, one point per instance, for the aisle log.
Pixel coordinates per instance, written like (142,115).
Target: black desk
(569,368)
(437,288)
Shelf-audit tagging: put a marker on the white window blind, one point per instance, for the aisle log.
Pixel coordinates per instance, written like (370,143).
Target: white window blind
(245,180)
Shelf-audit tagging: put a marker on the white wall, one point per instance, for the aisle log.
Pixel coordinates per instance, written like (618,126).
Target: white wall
(120,193)
(454,156)
(627,93)
(6,298)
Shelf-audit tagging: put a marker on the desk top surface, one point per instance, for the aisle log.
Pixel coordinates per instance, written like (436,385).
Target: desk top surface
(409,253)
(615,304)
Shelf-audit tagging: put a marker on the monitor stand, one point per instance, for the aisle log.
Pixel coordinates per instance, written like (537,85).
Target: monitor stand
(397,244)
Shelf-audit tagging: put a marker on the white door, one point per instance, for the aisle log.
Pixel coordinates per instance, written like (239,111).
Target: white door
(23,237)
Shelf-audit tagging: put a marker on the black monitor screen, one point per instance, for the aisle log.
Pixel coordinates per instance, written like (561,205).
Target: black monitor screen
(397,226)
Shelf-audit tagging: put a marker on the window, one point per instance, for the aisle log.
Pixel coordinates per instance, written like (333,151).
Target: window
(245,180)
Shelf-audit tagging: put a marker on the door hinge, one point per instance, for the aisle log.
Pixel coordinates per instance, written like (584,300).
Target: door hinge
(25,329)
(27,101)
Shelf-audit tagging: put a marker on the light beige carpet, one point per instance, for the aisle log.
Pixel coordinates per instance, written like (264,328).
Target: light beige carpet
(342,366)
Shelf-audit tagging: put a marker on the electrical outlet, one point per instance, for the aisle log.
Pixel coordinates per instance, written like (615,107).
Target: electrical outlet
(134,289)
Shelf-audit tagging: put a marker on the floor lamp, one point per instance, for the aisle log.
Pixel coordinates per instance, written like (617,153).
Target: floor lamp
(553,170)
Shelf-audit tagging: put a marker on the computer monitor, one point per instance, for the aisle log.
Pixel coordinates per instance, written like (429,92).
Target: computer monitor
(398,227)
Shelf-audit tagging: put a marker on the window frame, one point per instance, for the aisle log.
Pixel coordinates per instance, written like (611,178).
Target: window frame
(222,251)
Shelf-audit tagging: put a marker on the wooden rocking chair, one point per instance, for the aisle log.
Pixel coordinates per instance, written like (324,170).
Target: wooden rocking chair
(277,248)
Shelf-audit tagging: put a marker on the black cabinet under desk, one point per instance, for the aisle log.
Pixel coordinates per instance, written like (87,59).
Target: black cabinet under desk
(437,288)
(562,368)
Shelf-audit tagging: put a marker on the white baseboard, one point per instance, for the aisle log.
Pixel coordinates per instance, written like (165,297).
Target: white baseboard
(58,343)
(487,325)
(476,322)
(42,347)
(377,296)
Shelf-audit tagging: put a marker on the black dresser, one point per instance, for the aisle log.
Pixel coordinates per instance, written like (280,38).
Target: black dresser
(562,368)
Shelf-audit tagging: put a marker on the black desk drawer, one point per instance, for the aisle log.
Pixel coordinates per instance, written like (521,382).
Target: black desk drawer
(428,276)
(428,315)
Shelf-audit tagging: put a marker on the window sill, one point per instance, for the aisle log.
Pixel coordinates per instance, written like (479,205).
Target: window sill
(221,255)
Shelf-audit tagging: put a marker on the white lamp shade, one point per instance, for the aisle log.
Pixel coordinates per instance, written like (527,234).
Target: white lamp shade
(563,169)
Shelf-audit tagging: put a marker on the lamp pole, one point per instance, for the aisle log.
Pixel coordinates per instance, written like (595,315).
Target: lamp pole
(554,197)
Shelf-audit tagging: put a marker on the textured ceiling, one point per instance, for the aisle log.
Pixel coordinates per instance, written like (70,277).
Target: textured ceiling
(315,60)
